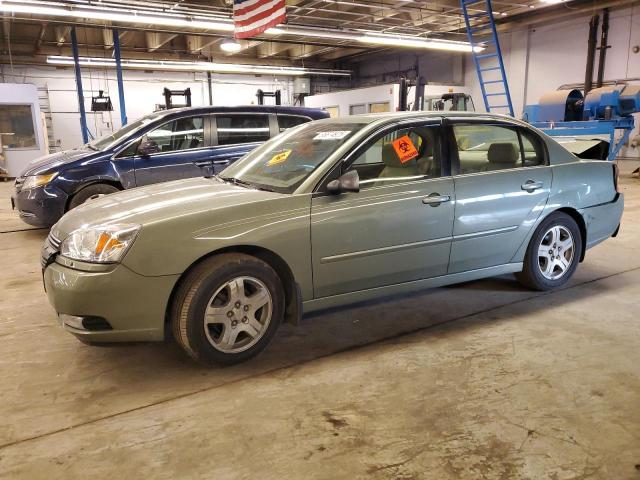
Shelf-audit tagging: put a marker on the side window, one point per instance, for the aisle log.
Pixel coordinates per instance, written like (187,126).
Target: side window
(180,134)
(533,149)
(405,154)
(242,128)
(131,150)
(485,148)
(288,121)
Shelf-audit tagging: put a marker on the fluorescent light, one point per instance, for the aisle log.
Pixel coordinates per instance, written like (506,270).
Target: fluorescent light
(175,65)
(218,24)
(419,43)
(230,46)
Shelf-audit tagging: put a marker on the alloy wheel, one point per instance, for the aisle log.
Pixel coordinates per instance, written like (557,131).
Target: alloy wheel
(556,252)
(238,314)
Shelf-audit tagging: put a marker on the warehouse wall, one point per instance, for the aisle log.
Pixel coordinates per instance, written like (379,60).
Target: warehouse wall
(143,90)
(542,59)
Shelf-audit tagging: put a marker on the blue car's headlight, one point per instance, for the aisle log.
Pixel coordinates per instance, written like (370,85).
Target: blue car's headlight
(99,244)
(33,181)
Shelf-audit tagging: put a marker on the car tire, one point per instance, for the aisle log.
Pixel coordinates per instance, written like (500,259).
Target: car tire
(89,191)
(227,309)
(553,253)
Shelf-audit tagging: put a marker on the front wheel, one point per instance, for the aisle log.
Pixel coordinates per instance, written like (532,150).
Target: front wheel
(227,309)
(553,253)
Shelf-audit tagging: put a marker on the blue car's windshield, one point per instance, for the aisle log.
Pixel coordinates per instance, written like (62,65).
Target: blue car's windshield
(285,161)
(108,140)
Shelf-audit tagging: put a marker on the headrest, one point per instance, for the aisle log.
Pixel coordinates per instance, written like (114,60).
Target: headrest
(389,156)
(503,153)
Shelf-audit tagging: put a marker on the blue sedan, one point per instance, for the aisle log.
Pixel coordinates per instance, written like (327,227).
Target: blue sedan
(167,145)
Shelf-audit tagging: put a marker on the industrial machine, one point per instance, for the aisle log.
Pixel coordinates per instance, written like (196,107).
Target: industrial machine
(261,95)
(450,101)
(595,126)
(168,99)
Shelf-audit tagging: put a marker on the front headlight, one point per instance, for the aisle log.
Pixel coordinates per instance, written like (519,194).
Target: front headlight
(33,181)
(99,244)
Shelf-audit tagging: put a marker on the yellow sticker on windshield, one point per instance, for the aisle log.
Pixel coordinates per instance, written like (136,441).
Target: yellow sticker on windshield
(279,158)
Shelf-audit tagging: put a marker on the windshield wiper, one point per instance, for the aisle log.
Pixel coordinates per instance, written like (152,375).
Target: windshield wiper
(244,183)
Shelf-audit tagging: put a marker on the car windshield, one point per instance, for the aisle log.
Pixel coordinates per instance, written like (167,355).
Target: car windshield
(284,162)
(105,142)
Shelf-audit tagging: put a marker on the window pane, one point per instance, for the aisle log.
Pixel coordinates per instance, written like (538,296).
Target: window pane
(379,107)
(288,121)
(485,148)
(180,134)
(406,154)
(533,149)
(242,129)
(16,127)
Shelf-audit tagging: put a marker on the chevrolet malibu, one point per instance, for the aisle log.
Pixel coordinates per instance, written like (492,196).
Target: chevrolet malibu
(328,213)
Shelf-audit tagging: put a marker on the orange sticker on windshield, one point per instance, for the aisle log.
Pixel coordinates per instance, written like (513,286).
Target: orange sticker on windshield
(279,158)
(405,149)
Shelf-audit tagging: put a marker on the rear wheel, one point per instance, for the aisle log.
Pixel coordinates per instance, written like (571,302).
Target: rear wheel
(91,191)
(553,253)
(227,309)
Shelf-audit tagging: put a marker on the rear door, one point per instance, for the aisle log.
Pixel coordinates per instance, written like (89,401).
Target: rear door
(397,228)
(183,150)
(236,134)
(502,183)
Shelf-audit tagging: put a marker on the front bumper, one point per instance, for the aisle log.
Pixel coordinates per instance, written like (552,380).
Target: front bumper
(40,206)
(132,304)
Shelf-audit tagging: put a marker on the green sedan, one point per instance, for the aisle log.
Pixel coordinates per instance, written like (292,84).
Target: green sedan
(329,213)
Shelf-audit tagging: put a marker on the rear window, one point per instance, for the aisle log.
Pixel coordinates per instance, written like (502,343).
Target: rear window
(242,128)
(289,121)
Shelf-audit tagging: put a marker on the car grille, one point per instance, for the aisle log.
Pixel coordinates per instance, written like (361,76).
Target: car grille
(50,249)
(19,183)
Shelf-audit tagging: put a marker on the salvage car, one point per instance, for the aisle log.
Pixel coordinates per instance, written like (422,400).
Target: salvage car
(328,213)
(162,146)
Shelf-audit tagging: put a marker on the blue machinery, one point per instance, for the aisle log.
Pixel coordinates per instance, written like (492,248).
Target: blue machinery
(604,112)
(76,63)
(489,64)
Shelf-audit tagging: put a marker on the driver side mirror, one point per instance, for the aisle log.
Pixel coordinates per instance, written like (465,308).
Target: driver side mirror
(147,147)
(348,182)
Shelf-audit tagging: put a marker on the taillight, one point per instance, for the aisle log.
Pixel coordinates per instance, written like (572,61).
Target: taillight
(615,177)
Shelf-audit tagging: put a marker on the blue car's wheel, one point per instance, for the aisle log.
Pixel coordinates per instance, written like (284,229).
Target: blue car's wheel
(553,253)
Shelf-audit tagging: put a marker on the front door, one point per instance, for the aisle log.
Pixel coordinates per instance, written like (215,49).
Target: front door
(502,183)
(397,228)
(183,152)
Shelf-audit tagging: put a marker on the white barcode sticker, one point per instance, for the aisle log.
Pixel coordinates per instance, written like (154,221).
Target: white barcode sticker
(333,135)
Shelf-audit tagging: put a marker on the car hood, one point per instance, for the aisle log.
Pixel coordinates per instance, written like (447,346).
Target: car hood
(53,161)
(160,202)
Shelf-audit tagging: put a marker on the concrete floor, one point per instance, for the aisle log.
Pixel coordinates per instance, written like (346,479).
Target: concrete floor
(484,380)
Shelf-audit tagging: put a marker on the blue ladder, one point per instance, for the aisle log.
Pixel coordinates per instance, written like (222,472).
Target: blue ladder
(488,62)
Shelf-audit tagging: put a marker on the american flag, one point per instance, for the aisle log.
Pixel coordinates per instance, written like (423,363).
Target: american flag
(252,17)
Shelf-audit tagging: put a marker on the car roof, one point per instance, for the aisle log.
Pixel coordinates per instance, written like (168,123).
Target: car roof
(314,113)
(390,117)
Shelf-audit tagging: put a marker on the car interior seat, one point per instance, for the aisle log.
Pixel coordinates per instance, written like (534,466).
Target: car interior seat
(503,155)
(393,167)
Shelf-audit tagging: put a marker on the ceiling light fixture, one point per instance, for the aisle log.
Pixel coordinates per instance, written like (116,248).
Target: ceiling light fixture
(449,45)
(217,24)
(175,65)
(230,46)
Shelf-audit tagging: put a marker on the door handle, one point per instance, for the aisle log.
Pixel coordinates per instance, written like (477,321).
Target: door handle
(435,199)
(203,163)
(531,186)
(221,162)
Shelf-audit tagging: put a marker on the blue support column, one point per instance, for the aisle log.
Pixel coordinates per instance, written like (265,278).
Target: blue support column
(116,53)
(76,64)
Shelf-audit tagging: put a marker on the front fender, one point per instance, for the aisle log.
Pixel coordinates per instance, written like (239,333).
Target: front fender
(282,226)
